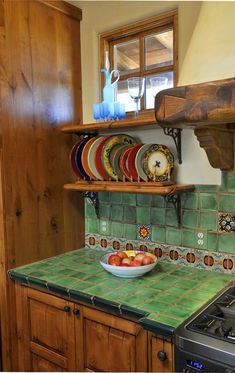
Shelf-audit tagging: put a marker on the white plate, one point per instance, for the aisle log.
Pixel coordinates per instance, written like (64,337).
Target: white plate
(126,272)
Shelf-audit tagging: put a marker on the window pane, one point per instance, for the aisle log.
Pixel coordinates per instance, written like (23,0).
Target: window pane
(123,95)
(127,56)
(153,86)
(159,50)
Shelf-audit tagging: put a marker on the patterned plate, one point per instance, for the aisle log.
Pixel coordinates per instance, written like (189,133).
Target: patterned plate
(139,162)
(107,148)
(115,160)
(130,162)
(158,162)
(123,164)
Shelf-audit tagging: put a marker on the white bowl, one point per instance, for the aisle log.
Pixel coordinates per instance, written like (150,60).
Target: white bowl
(127,272)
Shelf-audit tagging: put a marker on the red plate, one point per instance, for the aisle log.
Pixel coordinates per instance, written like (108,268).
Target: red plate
(122,162)
(98,160)
(130,162)
(72,158)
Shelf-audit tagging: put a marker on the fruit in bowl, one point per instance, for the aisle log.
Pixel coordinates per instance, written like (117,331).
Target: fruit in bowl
(128,263)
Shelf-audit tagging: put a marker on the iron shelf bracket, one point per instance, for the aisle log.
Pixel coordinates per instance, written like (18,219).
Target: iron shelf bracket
(175,133)
(175,199)
(94,200)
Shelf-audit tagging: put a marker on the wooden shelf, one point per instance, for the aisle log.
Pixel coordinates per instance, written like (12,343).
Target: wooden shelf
(145,119)
(129,187)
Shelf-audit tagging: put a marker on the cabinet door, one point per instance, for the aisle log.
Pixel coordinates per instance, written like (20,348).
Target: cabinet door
(112,344)
(49,341)
(160,354)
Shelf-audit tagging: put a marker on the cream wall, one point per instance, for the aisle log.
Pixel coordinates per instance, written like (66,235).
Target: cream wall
(206,36)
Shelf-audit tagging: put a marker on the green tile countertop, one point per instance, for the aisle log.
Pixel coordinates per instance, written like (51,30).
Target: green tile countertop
(160,300)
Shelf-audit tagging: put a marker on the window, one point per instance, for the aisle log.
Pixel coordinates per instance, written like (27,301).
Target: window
(147,49)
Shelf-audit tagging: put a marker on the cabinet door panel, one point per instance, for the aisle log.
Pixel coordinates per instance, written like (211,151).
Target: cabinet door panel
(157,345)
(42,365)
(108,349)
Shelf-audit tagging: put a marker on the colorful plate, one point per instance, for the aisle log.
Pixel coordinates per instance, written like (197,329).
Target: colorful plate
(158,162)
(91,157)
(98,158)
(123,164)
(85,153)
(112,142)
(78,158)
(139,162)
(116,159)
(130,162)
(72,158)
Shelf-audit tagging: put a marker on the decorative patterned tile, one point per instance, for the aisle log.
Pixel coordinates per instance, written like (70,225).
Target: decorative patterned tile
(226,223)
(144,232)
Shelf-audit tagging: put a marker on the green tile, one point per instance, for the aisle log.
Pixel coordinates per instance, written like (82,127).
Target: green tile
(144,199)
(157,216)
(116,197)
(188,238)
(154,306)
(178,313)
(158,201)
(117,229)
(130,214)
(171,218)
(226,202)
(104,211)
(143,215)
(92,226)
(168,321)
(105,227)
(173,236)
(212,241)
(130,231)
(104,197)
(190,218)
(158,234)
(231,181)
(208,220)
(227,243)
(117,213)
(129,199)
(189,200)
(206,188)
(90,210)
(167,298)
(208,201)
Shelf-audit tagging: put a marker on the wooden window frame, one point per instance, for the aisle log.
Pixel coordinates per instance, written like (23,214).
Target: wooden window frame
(138,30)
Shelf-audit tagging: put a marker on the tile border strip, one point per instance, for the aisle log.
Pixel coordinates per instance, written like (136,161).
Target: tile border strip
(199,258)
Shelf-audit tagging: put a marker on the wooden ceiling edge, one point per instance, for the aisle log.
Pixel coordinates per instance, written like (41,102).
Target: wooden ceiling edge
(64,7)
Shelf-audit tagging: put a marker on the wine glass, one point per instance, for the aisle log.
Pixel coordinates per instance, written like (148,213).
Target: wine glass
(136,90)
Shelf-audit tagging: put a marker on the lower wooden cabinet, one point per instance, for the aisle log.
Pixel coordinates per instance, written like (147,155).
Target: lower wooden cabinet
(58,335)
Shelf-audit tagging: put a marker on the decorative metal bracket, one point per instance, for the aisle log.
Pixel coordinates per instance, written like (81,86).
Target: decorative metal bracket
(175,133)
(93,198)
(175,199)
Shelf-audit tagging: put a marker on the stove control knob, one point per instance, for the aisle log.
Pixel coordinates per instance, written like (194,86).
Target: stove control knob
(162,355)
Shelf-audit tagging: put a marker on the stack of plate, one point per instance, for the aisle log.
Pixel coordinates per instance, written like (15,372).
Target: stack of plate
(119,157)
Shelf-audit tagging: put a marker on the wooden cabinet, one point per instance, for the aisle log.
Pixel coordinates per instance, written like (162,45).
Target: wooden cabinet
(58,335)
(160,354)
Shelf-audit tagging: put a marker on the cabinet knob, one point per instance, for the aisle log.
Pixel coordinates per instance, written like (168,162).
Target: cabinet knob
(67,309)
(162,355)
(76,311)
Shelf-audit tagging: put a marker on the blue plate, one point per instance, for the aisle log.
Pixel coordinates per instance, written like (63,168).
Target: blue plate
(78,158)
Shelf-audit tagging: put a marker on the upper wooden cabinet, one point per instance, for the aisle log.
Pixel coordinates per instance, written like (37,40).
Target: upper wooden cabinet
(58,335)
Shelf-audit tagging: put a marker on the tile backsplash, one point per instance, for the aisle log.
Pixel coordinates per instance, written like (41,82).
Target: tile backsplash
(123,215)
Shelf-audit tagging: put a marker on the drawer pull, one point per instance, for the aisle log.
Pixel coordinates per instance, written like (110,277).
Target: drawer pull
(162,355)
(67,309)
(76,311)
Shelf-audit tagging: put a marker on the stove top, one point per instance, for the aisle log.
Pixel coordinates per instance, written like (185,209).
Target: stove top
(210,334)
(218,320)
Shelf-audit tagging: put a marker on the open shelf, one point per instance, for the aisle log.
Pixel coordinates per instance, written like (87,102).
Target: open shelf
(145,119)
(129,187)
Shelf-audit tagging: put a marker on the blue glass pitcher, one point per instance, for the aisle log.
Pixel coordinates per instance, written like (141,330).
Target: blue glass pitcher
(108,90)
